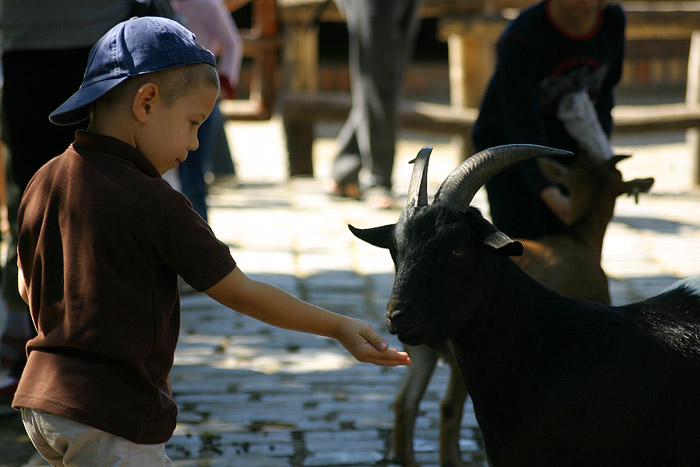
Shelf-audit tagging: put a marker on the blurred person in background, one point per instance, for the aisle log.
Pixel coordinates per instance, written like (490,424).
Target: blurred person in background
(558,64)
(382,38)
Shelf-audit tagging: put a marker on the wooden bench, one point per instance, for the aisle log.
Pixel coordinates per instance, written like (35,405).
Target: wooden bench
(471,38)
(445,119)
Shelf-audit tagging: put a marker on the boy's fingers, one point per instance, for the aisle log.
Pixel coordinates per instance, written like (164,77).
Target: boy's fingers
(389,357)
(375,349)
(401,358)
(377,341)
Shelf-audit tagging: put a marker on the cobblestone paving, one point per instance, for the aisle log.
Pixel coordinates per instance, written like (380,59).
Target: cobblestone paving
(252,395)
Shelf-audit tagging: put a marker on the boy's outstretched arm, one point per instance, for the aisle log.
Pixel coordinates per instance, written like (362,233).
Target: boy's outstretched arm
(278,308)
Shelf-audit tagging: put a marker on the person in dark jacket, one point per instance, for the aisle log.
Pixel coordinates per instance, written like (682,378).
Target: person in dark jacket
(558,64)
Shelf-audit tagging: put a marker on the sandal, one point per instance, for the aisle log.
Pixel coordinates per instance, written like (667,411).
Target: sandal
(380,197)
(345,190)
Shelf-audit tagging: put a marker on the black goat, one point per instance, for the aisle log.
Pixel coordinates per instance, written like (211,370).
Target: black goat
(555,381)
(567,261)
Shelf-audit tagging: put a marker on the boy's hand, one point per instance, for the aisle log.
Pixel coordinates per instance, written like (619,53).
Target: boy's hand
(366,345)
(558,203)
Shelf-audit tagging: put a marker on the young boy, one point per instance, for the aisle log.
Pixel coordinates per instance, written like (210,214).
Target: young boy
(102,239)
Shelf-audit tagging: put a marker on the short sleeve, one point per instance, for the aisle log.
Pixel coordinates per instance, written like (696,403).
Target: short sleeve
(186,243)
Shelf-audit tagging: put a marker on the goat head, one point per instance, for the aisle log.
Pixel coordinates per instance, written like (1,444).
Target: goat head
(445,240)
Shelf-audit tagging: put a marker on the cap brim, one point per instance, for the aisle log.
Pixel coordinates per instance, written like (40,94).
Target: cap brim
(77,107)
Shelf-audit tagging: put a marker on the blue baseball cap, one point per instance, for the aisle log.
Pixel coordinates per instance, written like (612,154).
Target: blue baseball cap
(133,47)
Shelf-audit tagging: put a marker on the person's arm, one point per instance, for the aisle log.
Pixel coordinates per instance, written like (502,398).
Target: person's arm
(233,5)
(215,29)
(230,54)
(278,308)
(557,202)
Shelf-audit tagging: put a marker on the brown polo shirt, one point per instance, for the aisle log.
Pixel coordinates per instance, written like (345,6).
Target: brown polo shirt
(102,238)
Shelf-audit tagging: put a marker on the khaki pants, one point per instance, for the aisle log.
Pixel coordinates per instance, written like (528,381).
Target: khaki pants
(63,442)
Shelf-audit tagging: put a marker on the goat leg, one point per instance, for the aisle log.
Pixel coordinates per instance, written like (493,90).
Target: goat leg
(451,409)
(423,361)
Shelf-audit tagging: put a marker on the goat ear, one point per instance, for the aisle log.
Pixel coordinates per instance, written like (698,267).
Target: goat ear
(503,244)
(377,236)
(638,185)
(619,157)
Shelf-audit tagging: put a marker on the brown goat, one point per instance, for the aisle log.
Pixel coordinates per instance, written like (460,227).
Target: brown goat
(567,261)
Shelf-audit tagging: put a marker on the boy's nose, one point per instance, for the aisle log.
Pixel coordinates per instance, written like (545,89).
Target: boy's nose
(194,143)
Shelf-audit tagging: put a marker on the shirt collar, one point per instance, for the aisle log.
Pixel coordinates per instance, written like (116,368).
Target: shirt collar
(95,142)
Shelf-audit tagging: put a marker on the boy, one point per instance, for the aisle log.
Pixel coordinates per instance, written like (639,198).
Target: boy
(102,239)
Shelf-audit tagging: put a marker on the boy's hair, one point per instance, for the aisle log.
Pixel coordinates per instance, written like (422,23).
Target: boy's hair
(173,83)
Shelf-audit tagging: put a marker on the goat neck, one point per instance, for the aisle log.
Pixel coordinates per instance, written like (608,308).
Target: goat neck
(593,197)
(590,227)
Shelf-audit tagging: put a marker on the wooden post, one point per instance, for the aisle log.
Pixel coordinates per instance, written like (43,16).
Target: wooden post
(301,70)
(692,99)
(471,63)
(262,86)
(457,69)
(471,58)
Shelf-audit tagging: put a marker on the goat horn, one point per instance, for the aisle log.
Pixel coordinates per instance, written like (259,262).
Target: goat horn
(461,185)
(418,189)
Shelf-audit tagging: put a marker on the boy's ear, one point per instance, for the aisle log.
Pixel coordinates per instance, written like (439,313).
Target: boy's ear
(143,101)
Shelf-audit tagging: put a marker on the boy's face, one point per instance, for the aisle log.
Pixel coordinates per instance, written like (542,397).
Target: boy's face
(172,129)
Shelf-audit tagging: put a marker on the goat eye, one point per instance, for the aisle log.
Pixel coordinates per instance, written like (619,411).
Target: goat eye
(458,251)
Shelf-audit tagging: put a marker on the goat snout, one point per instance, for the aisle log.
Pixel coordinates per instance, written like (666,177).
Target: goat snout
(402,322)
(394,314)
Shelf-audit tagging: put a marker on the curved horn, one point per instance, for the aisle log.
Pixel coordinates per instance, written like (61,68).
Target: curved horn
(461,185)
(418,188)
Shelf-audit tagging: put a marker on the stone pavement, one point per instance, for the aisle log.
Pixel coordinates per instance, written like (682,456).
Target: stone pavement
(252,395)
